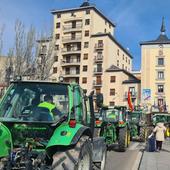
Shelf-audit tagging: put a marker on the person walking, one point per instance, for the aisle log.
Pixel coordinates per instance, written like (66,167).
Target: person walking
(160,130)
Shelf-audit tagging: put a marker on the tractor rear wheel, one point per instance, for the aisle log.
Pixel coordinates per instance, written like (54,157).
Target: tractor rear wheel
(123,139)
(142,134)
(78,158)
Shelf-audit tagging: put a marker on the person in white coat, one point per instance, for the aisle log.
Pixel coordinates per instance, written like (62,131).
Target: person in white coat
(159,130)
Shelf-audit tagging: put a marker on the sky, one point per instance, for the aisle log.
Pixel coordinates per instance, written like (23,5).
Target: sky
(136,20)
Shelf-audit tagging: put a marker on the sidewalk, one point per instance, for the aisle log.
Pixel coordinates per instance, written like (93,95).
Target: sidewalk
(157,160)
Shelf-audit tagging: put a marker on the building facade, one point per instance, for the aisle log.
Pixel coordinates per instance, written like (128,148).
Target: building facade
(155,80)
(86,48)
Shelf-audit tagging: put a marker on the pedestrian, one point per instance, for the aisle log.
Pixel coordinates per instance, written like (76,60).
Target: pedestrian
(159,130)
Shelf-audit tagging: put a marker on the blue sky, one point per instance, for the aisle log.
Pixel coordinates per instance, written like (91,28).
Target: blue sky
(136,20)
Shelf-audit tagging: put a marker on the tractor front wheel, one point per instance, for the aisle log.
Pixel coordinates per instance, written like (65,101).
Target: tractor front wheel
(123,139)
(78,158)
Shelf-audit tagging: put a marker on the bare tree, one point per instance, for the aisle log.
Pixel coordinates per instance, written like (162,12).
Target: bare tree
(45,57)
(24,49)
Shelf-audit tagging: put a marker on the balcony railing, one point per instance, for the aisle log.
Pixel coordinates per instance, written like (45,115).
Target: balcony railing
(71,73)
(99,46)
(98,70)
(98,58)
(68,50)
(97,83)
(133,94)
(71,61)
(71,27)
(162,108)
(70,38)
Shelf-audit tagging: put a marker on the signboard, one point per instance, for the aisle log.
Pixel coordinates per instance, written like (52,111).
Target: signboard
(146,94)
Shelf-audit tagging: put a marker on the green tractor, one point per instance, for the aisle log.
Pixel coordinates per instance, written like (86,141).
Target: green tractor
(138,127)
(31,138)
(111,123)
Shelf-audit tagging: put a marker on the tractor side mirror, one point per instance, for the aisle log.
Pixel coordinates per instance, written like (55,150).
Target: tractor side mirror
(99,100)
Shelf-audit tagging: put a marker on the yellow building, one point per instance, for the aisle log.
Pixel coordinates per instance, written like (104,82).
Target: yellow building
(85,48)
(155,80)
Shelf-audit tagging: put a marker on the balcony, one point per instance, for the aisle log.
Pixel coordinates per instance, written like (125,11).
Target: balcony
(98,70)
(67,39)
(99,46)
(70,28)
(133,95)
(71,74)
(73,50)
(156,108)
(97,83)
(70,62)
(98,58)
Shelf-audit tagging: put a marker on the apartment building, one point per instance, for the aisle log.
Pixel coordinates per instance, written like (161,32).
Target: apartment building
(86,47)
(155,80)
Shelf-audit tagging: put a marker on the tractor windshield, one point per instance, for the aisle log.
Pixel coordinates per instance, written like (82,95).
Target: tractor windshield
(32,101)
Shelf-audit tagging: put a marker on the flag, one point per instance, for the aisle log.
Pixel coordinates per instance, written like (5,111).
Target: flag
(130,101)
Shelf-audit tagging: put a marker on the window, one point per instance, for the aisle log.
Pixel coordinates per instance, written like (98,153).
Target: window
(118,63)
(86,44)
(72,14)
(98,90)
(122,66)
(112,103)
(54,69)
(112,79)
(88,11)
(86,33)
(112,92)
(109,25)
(56,47)
(160,75)
(104,30)
(129,61)
(57,36)
(55,58)
(160,61)
(58,15)
(126,59)
(85,56)
(123,57)
(84,68)
(58,25)
(84,80)
(126,68)
(118,52)
(132,90)
(160,88)
(87,22)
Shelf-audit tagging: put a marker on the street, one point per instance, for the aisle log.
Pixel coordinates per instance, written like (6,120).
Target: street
(128,160)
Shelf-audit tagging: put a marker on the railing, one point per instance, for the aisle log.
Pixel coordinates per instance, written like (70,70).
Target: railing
(74,49)
(98,58)
(97,83)
(133,94)
(71,27)
(71,73)
(99,46)
(69,38)
(71,61)
(161,108)
(98,70)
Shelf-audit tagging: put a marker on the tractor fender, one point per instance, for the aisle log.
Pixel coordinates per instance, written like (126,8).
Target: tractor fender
(5,141)
(64,137)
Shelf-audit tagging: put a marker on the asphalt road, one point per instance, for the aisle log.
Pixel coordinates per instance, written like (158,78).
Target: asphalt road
(124,160)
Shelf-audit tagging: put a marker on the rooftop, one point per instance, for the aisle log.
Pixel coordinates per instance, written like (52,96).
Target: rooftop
(162,38)
(85,5)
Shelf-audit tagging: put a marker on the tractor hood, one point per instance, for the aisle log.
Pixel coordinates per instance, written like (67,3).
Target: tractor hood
(28,133)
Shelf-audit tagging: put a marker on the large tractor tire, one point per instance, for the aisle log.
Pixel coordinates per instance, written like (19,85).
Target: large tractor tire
(142,134)
(123,139)
(102,164)
(78,158)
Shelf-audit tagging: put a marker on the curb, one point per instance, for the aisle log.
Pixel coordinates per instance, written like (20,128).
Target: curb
(137,161)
